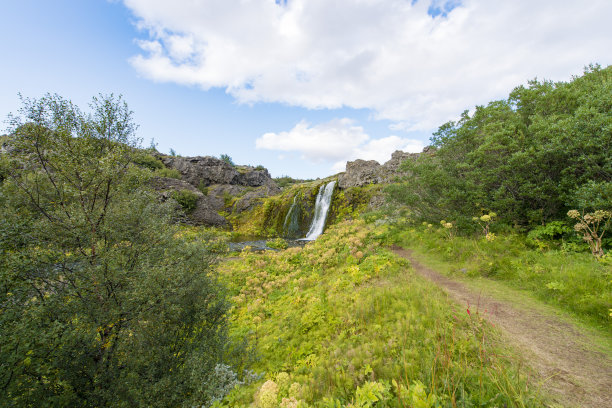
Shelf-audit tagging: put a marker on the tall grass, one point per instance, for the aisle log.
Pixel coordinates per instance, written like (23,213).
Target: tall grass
(344,322)
(574,281)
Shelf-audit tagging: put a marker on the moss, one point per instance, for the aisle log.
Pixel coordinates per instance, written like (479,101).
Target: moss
(267,219)
(350,203)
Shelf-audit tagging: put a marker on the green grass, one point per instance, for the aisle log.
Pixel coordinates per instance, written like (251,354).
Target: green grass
(344,321)
(576,283)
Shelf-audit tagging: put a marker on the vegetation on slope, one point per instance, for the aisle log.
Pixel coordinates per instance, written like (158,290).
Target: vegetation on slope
(530,158)
(102,302)
(344,322)
(557,274)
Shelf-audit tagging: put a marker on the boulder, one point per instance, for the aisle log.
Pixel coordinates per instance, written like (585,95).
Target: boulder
(202,171)
(360,173)
(252,198)
(205,212)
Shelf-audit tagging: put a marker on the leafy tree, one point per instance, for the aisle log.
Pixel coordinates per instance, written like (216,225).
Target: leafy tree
(529,158)
(101,304)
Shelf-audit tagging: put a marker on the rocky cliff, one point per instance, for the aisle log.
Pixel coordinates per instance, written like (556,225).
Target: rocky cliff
(220,187)
(360,173)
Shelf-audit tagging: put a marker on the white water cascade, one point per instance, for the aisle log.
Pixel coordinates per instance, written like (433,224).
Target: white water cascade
(322,204)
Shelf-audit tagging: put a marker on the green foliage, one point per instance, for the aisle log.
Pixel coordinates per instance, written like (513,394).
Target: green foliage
(226,158)
(259,167)
(203,187)
(286,181)
(345,318)
(186,198)
(148,161)
(524,157)
(594,196)
(168,173)
(544,235)
(277,243)
(576,282)
(102,301)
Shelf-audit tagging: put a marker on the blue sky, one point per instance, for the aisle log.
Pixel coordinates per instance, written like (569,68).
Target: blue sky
(299,86)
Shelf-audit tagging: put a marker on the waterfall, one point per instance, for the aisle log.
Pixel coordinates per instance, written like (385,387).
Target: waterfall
(291,225)
(322,204)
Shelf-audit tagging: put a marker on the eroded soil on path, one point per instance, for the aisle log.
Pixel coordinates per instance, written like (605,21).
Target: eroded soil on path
(572,371)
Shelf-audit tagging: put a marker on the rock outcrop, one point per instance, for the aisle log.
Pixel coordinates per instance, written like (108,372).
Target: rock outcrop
(206,209)
(205,171)
(363,172)
(360,173)
(216,184)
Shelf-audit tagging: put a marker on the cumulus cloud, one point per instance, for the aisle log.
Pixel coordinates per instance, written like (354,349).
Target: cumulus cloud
(336,142)
(418,63)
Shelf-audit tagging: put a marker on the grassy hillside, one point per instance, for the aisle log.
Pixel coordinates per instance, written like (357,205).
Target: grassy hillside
(571,280)
(344,322)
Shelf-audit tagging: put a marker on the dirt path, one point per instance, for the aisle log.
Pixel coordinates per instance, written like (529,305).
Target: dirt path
(577,375)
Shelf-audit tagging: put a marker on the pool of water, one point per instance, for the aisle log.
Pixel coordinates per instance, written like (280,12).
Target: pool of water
(260,244)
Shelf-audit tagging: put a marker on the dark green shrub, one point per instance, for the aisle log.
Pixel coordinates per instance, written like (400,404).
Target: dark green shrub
(203,187)
(148,161)
(187,199)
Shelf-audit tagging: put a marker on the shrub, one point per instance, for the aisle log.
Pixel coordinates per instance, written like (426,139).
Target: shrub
(187,199)
(203,187)
(226,158)
(277,243)
(148,161)
(168,173)
(592,227)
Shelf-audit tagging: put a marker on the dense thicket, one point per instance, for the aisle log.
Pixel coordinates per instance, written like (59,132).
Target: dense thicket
(101,302)
(529,158)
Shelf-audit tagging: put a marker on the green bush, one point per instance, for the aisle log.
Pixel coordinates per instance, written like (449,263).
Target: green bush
(168,173)
(277,243)
(148,161)
(187,199)
(102,303)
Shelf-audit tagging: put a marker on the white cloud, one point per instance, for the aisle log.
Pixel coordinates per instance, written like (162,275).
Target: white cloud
(390,56)
(336,142)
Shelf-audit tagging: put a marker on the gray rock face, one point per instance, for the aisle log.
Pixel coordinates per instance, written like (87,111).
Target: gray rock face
(205,212)
(202,170)
(206,171)
(251,199)
(253,178)
(361,172)
(222,180)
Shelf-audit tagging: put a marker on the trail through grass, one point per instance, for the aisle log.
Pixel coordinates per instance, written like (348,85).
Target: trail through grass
(345,322)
